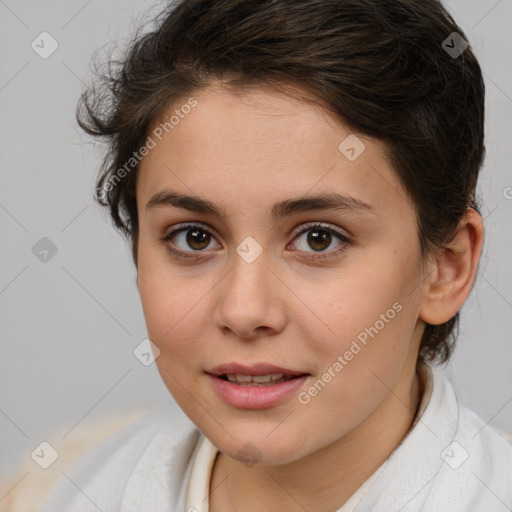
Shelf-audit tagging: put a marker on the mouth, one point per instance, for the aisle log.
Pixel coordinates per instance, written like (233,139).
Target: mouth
(270,379)
(256,386)
(256,374)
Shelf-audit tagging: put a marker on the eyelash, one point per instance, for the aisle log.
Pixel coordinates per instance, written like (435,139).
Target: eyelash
(307,227)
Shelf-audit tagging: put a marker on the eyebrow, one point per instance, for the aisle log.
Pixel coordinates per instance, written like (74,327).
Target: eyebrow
(328,201)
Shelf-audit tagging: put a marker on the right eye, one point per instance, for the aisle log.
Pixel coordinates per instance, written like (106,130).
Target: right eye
(191,236)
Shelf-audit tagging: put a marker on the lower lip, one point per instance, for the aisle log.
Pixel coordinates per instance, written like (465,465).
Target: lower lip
(256,397)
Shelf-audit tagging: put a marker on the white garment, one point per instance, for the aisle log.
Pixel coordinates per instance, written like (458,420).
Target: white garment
(450,461)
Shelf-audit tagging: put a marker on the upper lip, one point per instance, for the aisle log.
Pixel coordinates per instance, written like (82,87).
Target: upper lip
(253,369)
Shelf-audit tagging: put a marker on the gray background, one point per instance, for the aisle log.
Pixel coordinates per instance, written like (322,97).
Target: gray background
(69,326)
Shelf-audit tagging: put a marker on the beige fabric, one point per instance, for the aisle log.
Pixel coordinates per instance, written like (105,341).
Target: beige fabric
(502,433)
(30,493)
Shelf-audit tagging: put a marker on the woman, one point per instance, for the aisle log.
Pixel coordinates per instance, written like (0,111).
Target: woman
(297,180)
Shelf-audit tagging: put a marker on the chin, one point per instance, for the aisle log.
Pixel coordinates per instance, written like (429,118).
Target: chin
(257,449)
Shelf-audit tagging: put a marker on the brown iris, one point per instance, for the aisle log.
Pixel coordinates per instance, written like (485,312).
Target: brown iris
(318,237)
(196,239)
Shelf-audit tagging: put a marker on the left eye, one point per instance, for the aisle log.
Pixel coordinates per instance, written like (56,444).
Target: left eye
(320,237)
(198,238)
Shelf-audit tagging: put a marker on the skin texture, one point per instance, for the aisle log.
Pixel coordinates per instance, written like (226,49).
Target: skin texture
(245,152)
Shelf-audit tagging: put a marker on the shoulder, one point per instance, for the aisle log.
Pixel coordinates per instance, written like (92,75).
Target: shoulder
(471,428)
(154,449)
(477,460)
(486,444)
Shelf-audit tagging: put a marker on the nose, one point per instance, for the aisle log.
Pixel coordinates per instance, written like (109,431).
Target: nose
(250,300)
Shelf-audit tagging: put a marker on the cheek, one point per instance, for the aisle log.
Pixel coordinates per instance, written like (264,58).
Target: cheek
(174,305)
(344,307)
(360,331)
(173,313)
(356,370)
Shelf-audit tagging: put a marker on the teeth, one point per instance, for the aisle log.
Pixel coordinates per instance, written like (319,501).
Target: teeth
(259,379)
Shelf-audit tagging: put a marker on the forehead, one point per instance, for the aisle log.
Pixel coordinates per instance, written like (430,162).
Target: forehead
(267,144)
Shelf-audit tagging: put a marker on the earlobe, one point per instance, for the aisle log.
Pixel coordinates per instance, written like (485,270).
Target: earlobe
(451,281)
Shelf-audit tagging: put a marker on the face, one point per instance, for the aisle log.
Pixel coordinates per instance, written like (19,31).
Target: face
(260,281)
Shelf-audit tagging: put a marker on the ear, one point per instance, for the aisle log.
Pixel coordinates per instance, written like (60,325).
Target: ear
(453,273)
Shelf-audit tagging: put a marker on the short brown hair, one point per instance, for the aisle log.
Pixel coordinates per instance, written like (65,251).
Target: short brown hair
(379,65)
